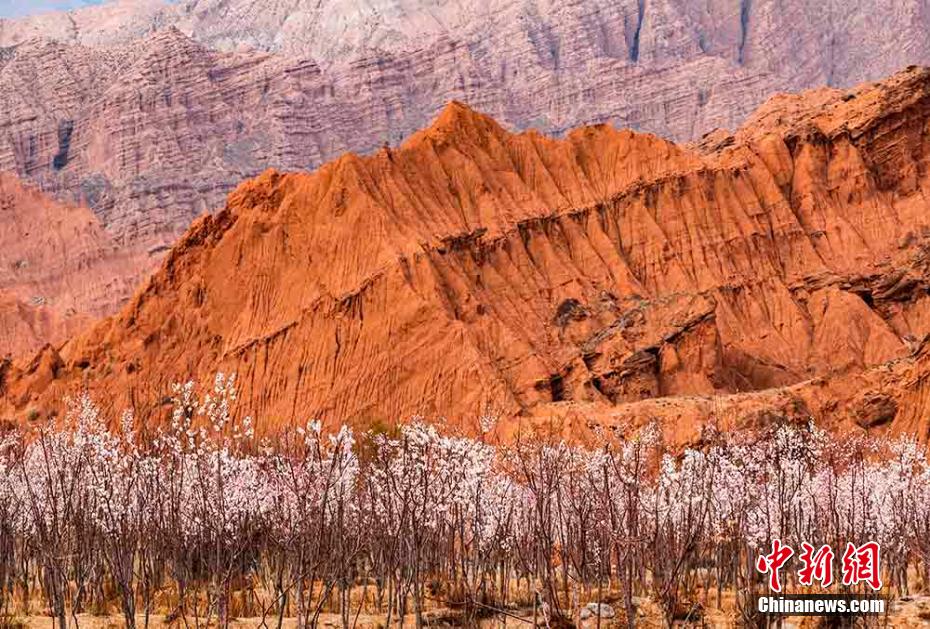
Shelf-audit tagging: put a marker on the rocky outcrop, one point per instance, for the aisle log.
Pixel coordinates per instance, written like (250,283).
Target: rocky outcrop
(776,274)
(59,270)
(136,114)
(142,135)
(150,113)
(838,43)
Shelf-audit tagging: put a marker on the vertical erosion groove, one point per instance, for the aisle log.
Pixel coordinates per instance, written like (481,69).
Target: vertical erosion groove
(634,46)
(744,7)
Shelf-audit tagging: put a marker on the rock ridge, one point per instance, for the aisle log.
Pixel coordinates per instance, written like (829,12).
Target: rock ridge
(608,277)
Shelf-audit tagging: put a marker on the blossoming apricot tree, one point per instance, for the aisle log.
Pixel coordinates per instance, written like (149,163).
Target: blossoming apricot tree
(205,515)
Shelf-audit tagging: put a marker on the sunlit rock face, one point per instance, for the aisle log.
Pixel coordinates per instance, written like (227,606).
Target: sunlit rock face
(151,112)
(59,269)
(776,274)
(608,269)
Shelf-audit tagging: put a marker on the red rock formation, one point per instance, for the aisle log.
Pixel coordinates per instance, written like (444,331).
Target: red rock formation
(129,108)
(59,270)
(150,113)
(609,276)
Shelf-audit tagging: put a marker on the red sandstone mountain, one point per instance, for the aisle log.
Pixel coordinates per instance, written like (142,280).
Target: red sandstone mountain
(59,269)
(609,276)
(150,113)
(131,108)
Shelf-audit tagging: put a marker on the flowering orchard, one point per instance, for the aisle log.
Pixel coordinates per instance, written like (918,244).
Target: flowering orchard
(203,522)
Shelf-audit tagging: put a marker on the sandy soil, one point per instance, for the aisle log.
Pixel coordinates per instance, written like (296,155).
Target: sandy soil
(906,613)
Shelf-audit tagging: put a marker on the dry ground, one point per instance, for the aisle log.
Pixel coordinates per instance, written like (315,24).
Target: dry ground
(907,613)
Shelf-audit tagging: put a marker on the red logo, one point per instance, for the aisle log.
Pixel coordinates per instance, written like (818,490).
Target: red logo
(773,562)
(817,566)
(861,564)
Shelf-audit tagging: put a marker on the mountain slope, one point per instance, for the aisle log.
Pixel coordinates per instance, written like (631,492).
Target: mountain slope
(150,113)
(135,114)
(177,125)
(59,270)
(473,269)
(839,43)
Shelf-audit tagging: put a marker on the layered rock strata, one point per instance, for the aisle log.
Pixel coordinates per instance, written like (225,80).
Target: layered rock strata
(610,276)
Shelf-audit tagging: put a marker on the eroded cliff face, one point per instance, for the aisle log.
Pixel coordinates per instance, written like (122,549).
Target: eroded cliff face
(840,43)
(135,114)
(148,136)
(150,113)
(152,133)
(609,276)
(59,270)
